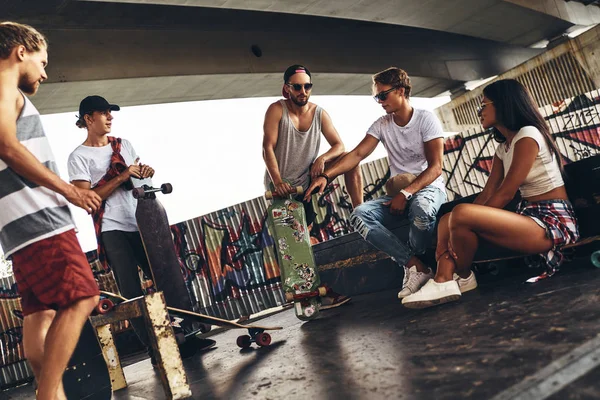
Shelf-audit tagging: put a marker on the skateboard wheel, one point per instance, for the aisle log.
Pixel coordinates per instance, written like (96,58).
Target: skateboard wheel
(263,339)
(289,297)
(166,188)
(268,195)
(299,190)
(596,258)
(322,291)
(138,193)
(104,306)
(244,341)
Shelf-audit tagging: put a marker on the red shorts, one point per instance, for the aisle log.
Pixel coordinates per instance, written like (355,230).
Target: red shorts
(53,273)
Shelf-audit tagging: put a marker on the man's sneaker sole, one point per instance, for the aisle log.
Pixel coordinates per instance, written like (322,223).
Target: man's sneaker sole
(431,303)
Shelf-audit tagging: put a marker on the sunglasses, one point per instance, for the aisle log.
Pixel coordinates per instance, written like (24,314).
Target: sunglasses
(482,106)
(381,96)
(298,86)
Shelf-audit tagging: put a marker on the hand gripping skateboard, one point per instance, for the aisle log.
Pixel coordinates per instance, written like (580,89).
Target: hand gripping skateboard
(256,333)
(299,273)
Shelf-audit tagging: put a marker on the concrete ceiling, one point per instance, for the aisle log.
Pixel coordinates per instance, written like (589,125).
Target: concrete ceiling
(138,53)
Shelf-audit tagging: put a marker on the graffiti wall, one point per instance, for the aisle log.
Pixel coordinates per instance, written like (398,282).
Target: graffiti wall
(228,255)
(574,124)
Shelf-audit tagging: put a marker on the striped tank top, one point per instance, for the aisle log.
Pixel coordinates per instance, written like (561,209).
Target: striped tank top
(29,212)
(295,150)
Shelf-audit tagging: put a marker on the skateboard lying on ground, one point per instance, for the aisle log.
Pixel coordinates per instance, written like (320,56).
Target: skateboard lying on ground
(256,333)
(155,232)
(299,273)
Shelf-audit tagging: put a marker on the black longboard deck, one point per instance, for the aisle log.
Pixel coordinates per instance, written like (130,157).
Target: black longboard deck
(155,231)
(87,376)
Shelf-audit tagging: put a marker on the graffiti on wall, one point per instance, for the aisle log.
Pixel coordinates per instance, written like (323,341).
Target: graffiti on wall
(574,124)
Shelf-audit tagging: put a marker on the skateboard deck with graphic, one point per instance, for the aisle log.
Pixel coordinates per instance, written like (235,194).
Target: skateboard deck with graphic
(256,333)
(299,273)
(87,376)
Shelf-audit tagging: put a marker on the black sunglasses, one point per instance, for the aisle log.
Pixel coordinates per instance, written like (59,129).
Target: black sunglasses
(482,106)
(298,86)
(381,96)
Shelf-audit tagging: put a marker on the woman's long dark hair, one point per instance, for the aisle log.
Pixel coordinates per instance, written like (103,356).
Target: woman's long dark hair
(515,109)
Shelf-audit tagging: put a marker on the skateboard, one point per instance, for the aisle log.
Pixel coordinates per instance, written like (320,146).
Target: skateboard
(256,333)
(86,376)
(299,273)
(155,232)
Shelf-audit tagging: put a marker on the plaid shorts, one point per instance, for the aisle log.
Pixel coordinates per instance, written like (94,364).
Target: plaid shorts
(53,273)
(558,219)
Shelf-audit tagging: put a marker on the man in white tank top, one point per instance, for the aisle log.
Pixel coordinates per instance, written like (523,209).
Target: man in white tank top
(292,138)
(291,142)
(55,281)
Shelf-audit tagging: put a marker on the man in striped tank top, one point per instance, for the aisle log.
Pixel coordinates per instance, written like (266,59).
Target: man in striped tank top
(291,142)
(54,279)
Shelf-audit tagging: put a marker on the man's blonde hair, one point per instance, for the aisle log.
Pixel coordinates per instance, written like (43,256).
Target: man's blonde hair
(13,34)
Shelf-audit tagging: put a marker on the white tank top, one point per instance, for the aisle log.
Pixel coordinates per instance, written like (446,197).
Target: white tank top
(545,173)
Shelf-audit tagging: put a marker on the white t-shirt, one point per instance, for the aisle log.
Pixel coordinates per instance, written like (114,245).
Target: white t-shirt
(90,164)
(405,144)
(545,173)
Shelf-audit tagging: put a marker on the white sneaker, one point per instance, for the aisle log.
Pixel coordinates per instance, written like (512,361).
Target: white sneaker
(433,293)
(466,284)
(413,280)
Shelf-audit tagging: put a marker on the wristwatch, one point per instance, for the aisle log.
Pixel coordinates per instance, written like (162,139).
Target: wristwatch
(406,194)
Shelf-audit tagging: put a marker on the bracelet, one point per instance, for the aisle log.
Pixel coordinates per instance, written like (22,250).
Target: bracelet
(324,175)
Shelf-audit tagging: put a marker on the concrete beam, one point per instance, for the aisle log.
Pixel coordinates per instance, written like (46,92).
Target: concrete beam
(484,19)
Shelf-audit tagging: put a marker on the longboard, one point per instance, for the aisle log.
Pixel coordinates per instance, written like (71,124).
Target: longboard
(299,272)
(256,333)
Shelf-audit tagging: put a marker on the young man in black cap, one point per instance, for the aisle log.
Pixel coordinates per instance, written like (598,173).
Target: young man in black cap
(291,142)
(105,164)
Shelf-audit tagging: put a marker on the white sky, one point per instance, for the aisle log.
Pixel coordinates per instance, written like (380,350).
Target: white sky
(210,151)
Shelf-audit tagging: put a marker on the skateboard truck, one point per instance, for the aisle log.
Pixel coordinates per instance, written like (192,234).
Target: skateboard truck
(141,192)
(320,292)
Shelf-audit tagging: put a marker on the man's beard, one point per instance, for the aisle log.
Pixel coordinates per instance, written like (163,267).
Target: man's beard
(298,102)
(27,86)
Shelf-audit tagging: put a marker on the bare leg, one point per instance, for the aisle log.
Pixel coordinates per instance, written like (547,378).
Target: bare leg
(35,328)
(469,222)
(421,267)
(61,339)
(353,180)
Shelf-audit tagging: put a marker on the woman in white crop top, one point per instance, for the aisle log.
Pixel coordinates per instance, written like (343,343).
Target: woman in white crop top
(527,160)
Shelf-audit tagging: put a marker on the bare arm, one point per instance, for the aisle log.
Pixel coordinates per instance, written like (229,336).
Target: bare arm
(493,182)
(525,152)
(434,154)
(334,140)
(109,187)
(25,164)
(271,134)
(349,161)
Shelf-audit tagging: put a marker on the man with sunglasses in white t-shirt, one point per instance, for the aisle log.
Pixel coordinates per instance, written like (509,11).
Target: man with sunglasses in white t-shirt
(414,142)
(292,137)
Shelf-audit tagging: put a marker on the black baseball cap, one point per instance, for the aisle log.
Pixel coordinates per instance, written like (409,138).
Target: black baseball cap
(95,103)
(294,69)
